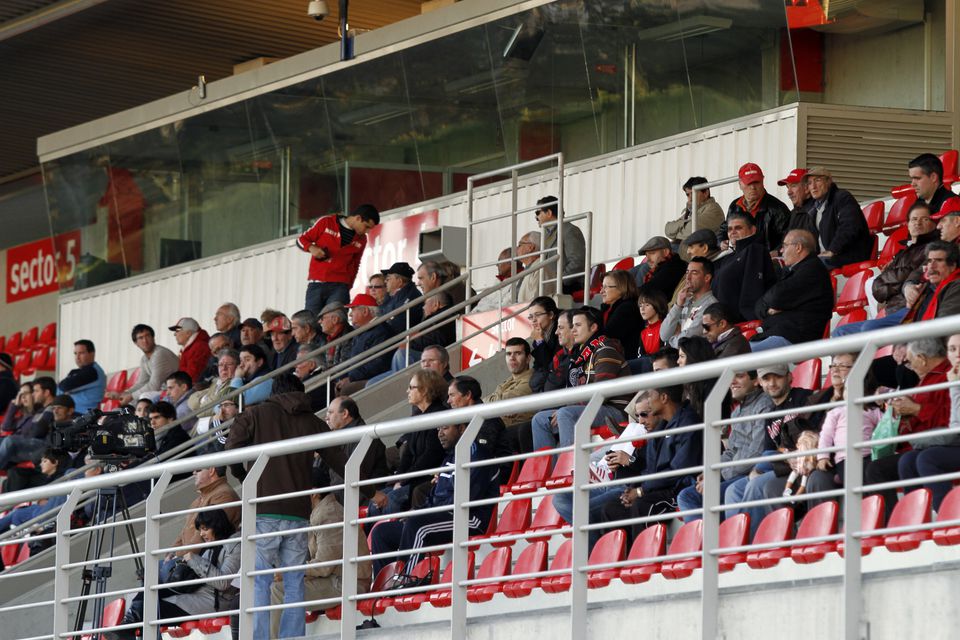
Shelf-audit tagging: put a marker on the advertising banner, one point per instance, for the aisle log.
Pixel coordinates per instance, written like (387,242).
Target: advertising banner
(39,267)
(491,341)
(393,241)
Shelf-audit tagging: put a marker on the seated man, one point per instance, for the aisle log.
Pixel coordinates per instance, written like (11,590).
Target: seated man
(685,318)
(156,364)
(926,178)
(702,243)
(53,464)
(465,391)
(799,306)
(802,215)
(841,232)
(334,325)
(87,382)
(160,415)
(770,215)
(726,337)
(363,311)
(251,332)
(227,362)
(194,347)
(217,343)
(280,330)
(528,251)
(600,358)
(304,327)
(440,336)
(400,291)
(252,366)
(422,530)
(517,354)
(179,390)
(227,321)
(31,440)
(742,277)
(948,224)
(663,269)
(709,214)
(888,286)
(939,296)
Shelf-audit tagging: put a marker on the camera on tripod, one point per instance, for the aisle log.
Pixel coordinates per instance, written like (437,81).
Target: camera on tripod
(110,435)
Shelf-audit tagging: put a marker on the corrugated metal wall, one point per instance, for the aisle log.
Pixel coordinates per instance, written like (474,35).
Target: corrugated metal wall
(631,194)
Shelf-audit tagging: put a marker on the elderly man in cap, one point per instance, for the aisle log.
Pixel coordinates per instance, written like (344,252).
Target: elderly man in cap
(335,244)
(709,214)
(770,214)
(702,243)
(363,311)
(400,291)
(280,330)
(948,220)
(31,441)
(251,332)
(799,195)
(836,221)
(194,347)
(333,325)
(663,269)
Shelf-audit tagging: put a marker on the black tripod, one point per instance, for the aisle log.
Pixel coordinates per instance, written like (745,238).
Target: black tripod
(110,506)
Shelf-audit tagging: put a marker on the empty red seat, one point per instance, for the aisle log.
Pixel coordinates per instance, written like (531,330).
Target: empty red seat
(13,342)
(495,565)
(553,584)
(806,375)
(776,527)
(442,597)
(734,532)
(871,517)
(689,540)
(21,362)
(514,473)
(609,548)
(334,613)
(113,612)
(857,315)
(650,543)
(533,473)
(210,626)
(897,216)
(49,335)
(428,568)
(854,294)
(10,552)
(29,339)
(624,264)
(873,212)
(562,474)
(532,560)
(912,509)
(819,521)
(597,272)
(515,519)
(949,160)
(949,510)
(372,606)
(546,518)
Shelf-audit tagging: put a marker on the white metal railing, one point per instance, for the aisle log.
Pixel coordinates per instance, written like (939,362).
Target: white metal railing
(865,344)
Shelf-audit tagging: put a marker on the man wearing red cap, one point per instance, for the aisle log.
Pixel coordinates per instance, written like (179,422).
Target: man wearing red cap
(280,331)
(772,216)
(948,220)
(799,196)
(363,311)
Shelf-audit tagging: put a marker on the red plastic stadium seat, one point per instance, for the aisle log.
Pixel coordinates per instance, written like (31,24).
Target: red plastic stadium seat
(562,474)
(609,548)
(334,613)
(873,212)
(531,560)
(854,295)
(21,362)
(113,612)
(533,474)
(776,527)
(545,519)
(734,532)
(515,519)
(819,521)
(10,552)
(311,616)
(949,160)
(514,473)
(624,264)
(857,315)
(651,543)
(689,540)
(372,606)
(806,375)
(553,584)
(871,517)
(949,510)
(597,272)
(3,344)
(428,567)
(116,383)
(210,626)
(892,246)
(133,375)
(13,343)
(49,335)
(912,509)
(442,597)
(495,565)
(29,339)
(897,216)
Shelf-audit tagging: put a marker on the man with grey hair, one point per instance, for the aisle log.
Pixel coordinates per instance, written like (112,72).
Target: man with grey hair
(528,251)
(304,325)
(799,306)
(430,275)
(932,291)
(227,320)
(333,325)
(363,311)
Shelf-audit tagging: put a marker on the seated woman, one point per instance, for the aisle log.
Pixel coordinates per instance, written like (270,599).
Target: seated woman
(544,343)
(211,562)
(621,316)
(53,464)
(938,454)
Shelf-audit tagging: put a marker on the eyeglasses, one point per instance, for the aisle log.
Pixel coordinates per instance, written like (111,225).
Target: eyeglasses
(532,317)
(643,414)
(845,367)
(707,326)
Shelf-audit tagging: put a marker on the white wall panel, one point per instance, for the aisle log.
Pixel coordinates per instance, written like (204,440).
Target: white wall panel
(631,193)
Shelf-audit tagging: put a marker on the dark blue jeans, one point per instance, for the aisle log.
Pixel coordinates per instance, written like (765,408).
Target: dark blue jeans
(320,294)
(931,462)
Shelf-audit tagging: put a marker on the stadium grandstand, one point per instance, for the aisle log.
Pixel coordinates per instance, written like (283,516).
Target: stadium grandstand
(480,318)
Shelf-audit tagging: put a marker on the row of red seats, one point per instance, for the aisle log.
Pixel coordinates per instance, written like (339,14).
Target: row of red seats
(119,382)
(20,342)
(40,358)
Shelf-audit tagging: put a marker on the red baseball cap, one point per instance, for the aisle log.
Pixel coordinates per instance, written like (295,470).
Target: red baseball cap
(793,177)
(280,323)
(750,173)
(950,205)
(362,300)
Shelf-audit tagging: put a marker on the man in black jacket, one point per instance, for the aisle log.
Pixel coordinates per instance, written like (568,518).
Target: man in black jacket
(798,307)
(926,178)
(836,222)
(742,277)
(665,268)
(770,215)
(799,195)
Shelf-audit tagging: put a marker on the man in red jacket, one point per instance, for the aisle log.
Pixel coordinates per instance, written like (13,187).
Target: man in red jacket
(194,350)
(335,244)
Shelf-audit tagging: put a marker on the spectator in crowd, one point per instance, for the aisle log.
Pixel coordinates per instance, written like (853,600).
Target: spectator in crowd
(285,414)
(140,409)
(918,412)
(252,366)
(53,464)
(442,334)
(770,215)
(303,325)
(667,411)
(542,314)
(693,351)
(494,435)
(573,258)
(335,244)
(926,178)
(517,354)
(888,286)
(280,331)
(8,383)
(600,358)
(217,343)
(161,414)
(746,440)
(556,373)
(28,438)
(419,450)
(19,412)
(949,225)
(653,309)
(621,314)
(503,296)
(156,364)
(400,291)
(343,413)
(179,388)
(939,296)
(709,214)
(742,277)
(251,332)
(528,251)
(194,349)
(227,362)
(702,243)
(685,318)
(86,383)
(799,306)
(333,326)
(308,368)
(377,287)
(428,529)
(429,276)
(802,215)
(436,358)
(664,268)
(363,311)
(723,334)
(836,221)
(227,320)
(939,454)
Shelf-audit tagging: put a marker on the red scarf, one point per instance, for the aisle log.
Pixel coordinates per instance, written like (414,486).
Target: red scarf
(931,311)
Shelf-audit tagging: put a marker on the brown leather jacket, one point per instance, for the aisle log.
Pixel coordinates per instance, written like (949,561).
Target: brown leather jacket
(888,286)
